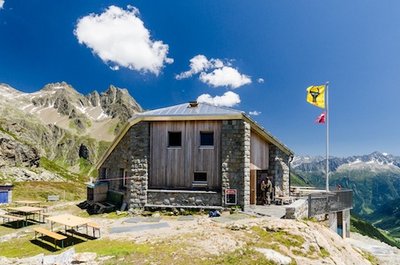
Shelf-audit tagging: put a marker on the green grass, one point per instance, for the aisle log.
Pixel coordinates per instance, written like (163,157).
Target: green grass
(21,247)
(39,190)
(367,229)
(282,237)
(60,170)
(245,256)
(296,180)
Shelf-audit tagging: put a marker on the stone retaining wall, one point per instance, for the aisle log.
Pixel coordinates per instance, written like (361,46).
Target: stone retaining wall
(183,198)
(297,210)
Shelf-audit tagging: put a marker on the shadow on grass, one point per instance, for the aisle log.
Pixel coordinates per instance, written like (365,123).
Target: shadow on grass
(19,224)
(52,245)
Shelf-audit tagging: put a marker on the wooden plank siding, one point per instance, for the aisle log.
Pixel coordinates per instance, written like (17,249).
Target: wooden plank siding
(259,152)
(174,167)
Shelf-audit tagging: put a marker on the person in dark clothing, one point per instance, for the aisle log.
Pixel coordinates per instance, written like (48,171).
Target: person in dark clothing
(268,191)
(263,192)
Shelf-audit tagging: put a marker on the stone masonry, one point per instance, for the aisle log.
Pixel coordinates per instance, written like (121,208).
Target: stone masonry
(235,141)
(183,198)
(279,168)
(140,163)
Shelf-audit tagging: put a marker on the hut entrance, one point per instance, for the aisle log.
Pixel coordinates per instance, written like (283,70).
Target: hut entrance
(260,175)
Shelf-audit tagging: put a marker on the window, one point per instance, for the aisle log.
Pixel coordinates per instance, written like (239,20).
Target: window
(200,176)
(103,173)
(174,139)
(206,138)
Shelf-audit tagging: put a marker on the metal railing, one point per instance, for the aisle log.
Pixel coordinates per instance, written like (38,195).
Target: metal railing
(328,202)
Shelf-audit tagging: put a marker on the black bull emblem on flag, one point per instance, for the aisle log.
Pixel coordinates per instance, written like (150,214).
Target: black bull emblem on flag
(314,92)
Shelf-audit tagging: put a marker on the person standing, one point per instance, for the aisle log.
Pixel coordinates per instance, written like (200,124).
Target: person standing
(263,192)
(268,190)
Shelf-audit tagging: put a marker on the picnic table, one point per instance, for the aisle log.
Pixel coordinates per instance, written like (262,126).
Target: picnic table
(25,211)
(27,202)
(69,220)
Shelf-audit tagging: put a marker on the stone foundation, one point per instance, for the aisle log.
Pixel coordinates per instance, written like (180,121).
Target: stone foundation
(183,198)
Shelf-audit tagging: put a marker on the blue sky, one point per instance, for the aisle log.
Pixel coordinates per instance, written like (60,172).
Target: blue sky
(289,44)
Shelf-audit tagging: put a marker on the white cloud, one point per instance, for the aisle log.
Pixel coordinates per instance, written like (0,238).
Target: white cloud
(197,64)
(1,4)
(119,37)
(215,72)
(228,99)
(260,80)
(225,76)
(255,113)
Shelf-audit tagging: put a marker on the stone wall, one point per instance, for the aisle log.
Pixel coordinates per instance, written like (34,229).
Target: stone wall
(131,154)
(120,158)
(279,168)
(297,210)
(183,198)
(140,163)
(235,158)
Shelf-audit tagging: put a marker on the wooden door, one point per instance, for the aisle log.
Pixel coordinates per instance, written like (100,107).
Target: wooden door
(253,187)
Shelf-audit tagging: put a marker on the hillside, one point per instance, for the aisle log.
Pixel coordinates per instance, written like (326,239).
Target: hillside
(57,134)
(374,178)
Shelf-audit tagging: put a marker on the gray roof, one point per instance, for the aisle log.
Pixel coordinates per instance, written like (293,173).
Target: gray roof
(202,109)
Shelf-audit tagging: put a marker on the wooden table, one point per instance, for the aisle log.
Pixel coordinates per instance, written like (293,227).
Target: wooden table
(26,211)
(68,220)
(27,202)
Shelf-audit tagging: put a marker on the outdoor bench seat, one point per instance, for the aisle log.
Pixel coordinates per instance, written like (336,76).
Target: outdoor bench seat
(14,217)
(55,236)
(95,226)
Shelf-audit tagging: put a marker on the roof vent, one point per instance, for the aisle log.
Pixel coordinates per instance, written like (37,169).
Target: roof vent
(193,104)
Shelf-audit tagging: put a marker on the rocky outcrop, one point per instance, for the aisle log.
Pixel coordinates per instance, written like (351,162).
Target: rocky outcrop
(118,103)
(14,153)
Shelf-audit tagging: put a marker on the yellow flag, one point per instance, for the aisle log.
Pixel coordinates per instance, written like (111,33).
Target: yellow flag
(316,96)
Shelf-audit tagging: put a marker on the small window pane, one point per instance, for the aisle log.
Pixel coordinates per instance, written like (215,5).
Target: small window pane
(174,139)
(200,176)
(207,138)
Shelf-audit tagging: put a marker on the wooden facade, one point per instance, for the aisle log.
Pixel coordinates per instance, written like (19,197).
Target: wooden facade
(259,152)
(174,167)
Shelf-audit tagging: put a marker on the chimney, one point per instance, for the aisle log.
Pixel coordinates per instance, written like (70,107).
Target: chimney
(193,104)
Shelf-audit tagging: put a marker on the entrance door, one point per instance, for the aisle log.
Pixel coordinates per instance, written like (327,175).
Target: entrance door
(253,187)
(3,197)
(260,176)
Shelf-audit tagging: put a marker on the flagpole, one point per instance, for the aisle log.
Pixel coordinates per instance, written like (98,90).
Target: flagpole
(327,135)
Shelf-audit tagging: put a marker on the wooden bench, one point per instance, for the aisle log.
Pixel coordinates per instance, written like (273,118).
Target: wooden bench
(56,236)
(11,217)
(44,216)
(95,227)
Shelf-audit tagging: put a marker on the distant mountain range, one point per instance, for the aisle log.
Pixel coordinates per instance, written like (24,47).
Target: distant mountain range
(374,178)
(374,161)
(60,104)
(57,126)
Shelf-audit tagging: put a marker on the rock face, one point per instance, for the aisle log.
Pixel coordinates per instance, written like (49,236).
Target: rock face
(97,115)
(60,124)
(14,153)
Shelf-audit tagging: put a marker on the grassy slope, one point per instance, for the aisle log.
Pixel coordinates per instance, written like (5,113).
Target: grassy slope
(367,229)
(296,180)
